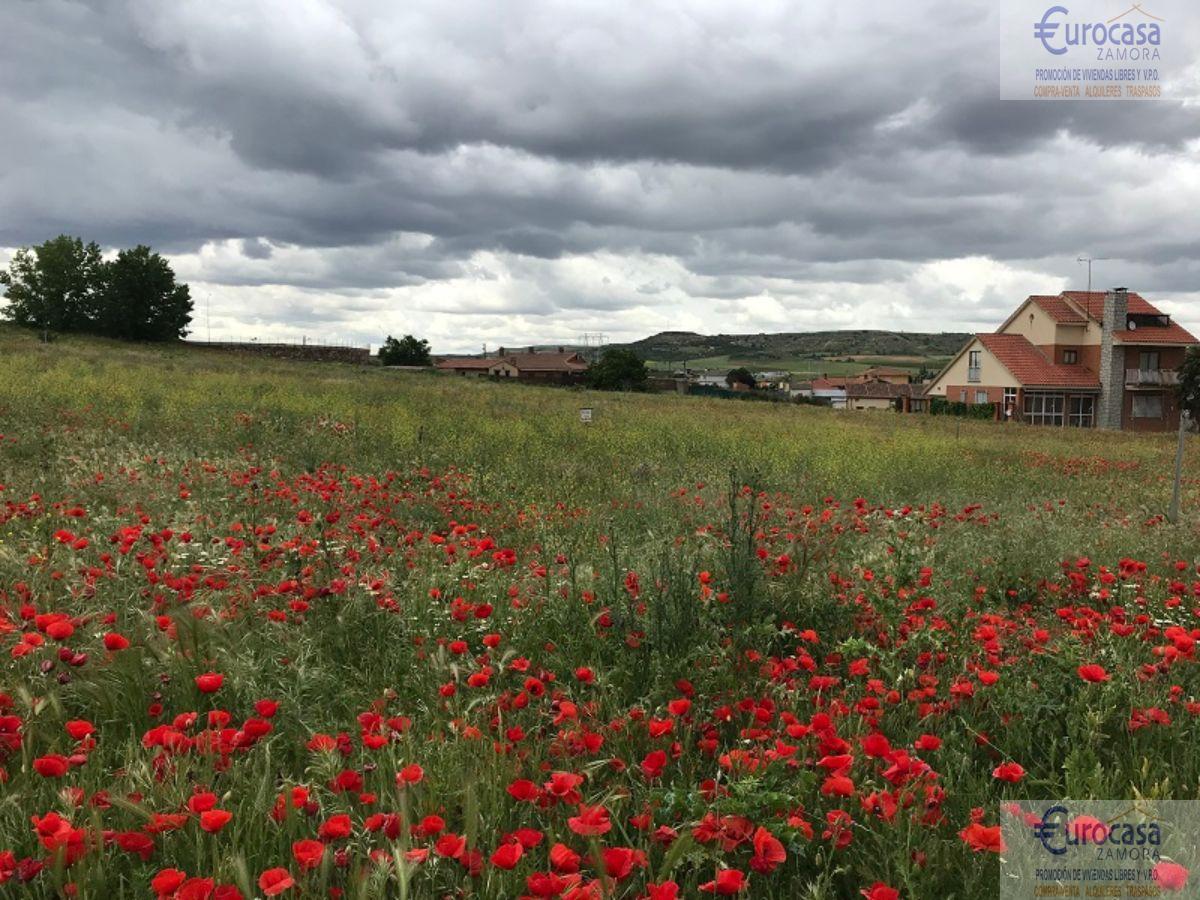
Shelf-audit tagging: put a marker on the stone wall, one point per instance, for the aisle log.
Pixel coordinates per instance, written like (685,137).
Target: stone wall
(306,352)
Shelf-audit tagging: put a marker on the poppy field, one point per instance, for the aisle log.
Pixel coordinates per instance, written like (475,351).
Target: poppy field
(273,629)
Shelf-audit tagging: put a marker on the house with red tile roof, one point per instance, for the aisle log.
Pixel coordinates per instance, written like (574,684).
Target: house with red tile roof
(559,366)
(1106,359)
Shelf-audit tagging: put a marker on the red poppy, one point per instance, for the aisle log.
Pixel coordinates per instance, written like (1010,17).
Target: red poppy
(768,852)
(210,683)
(1170,876)
(563,859)
(1093,673)
(114,641)
(619,861)
(727,883)
(880,891)
(983,838)
(308,854)
(592,821)
(654,763)
(214,820)
(507,855)
(410,774)
(275,881)
(167,882)
(1010,771)
(53,766)
(665,890)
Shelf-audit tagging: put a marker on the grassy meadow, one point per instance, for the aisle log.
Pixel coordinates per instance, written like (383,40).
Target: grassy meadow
(308,630)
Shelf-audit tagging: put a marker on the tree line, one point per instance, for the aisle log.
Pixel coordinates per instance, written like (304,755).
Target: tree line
(64,285)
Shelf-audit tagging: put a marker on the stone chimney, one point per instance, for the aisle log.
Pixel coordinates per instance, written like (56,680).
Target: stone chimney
(1112,360)
(500,352)
(532,350)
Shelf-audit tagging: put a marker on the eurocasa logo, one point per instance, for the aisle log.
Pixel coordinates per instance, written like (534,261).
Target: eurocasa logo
(1120,38)
(1058,833)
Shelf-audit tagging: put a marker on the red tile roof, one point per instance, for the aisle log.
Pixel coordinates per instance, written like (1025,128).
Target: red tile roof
(1171,333)
(1059,309)
(1092,302)
(1031,367)
(547,361)
(1150,334)
(466,362)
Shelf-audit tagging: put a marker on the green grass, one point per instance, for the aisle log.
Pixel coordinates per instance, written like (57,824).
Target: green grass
(673,538)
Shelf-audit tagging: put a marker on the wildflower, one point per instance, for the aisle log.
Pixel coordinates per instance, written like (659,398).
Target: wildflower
(308,854)
(275,881)
(214,820)
(1010,771)
(1093,673)
(210,683)
(53,766)
(981,838)
(880,891)
(1170,876)
(507,855)
(727,883)
(768,852)
(592,821)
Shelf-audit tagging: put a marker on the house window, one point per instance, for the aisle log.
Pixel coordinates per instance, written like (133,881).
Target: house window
(1148,360)
(1070,357)
(1147,406)
(962,396)
(981,397)
(1081,412)
(973,358)
(1044,409)
(1009,406)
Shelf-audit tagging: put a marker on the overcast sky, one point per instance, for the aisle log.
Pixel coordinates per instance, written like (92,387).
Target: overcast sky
(519,172)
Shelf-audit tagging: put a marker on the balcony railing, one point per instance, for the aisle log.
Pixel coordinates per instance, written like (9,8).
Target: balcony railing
(1151,377)
(972,374)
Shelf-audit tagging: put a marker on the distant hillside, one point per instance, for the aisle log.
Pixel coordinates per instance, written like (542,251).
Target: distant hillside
(677,346)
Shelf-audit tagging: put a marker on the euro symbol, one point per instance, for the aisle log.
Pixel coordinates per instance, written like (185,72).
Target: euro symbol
(1045,29)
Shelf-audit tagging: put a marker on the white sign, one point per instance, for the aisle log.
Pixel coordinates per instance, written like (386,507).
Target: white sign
(585,415)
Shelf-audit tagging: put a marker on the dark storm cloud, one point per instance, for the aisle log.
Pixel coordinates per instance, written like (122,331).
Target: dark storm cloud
(492,159)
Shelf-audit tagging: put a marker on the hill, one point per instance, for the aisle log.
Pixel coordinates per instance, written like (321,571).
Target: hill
(765,349)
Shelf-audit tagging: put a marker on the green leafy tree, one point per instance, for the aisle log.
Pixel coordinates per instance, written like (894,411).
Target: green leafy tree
(1189,384)
(54,286)
(618,369)
(408,351)
(740,375)
(140,299)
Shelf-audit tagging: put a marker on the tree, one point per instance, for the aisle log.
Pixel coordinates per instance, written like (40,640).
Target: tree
(408,351)
(54,286)
(1189,384)
(140,300)
(618,369)
(740,375)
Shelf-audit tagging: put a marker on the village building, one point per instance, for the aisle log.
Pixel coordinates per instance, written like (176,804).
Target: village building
(1079,359)
(559,366)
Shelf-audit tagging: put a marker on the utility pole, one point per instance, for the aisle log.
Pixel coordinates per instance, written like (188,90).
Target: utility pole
(1089,260)
(1173,512)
